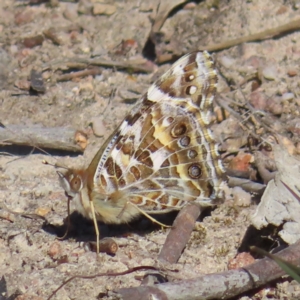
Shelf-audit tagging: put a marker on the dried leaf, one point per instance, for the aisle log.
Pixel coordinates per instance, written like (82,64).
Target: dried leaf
(278,205)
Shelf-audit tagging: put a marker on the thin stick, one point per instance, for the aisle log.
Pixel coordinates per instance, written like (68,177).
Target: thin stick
(137,65)
(263,35)
(260,36)
(246,184)
(60,138)
(101,275)
(178,236)
(223,285)
(24,215)
(291,191)
(84,73)
(180,233)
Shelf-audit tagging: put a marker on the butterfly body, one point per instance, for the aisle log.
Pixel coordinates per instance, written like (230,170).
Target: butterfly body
(162,156)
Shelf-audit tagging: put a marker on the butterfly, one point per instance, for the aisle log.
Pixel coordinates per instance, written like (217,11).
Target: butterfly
(161,157)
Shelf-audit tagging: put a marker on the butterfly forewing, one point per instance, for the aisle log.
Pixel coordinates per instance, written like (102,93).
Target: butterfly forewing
(163,154)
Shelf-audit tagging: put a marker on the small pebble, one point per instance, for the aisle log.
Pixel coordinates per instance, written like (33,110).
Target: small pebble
(99,128)
(42,211)
(241,198)
(33,41)
(241,162)
(23,84)
(86,86)
(274,107)
(54,3)
(292,72)
(297,4)
(270,72)
(14,49)
(287,96)
(258,100)
(227,61)
(282,9)
(104,9)
(254,62)
(81,139)
(85,7)
(255,84)
(36,81)
(70,13)
(241,260)
(24,17)
(190,6)
(54,250)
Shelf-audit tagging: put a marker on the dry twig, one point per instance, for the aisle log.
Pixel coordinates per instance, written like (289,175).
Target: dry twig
(246,184)
(109,274)
(60,138)
(178,237)
(223,285)
(83,73)
(135,65)
(260,36)
(179,233)
(6,215)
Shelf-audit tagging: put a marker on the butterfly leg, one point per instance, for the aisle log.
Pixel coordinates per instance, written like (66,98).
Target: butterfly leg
(142,212)
(96,226)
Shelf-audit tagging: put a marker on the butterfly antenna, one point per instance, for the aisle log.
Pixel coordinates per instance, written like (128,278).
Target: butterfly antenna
(56,165)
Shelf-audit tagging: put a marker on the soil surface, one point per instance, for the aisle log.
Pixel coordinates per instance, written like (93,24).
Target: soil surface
(51,37)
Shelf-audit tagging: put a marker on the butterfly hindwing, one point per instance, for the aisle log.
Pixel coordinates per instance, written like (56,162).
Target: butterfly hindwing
(163,154)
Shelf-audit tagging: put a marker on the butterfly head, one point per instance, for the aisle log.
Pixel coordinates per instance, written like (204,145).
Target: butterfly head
(76,186)
(73,181)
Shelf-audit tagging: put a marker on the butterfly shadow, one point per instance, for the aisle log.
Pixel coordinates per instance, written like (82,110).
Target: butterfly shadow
(83,230)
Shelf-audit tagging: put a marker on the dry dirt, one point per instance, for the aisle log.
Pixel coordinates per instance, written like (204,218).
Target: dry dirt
(32,260)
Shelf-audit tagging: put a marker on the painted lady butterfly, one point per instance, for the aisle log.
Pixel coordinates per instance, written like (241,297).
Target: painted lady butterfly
(161,157)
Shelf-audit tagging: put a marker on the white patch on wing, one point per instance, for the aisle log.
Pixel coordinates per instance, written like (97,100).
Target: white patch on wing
(176,84)
(156,95)
(178,68)
(204,117)
(137,134)
(201,59)
(123,126)
(158,158)
(193,90)
(114,153)
(166,122)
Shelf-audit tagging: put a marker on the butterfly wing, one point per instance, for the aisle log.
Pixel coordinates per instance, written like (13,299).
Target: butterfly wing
(163,154)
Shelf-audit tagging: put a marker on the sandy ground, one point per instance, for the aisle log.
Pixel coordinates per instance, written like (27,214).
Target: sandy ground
(32,260)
